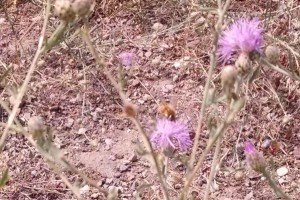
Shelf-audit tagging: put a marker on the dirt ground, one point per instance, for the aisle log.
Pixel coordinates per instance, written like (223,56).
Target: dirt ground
(84,110)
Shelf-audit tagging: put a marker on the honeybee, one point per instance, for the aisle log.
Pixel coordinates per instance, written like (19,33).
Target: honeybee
(167,110)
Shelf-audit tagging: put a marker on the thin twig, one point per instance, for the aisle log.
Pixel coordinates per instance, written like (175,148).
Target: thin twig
(213,168)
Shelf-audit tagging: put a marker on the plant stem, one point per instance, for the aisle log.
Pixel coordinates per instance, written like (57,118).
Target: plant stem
(220,131)
(213,168)
(23,88)
(278,190)
(213,63)
(280,70)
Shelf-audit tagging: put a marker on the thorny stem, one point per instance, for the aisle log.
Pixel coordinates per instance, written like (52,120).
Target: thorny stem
(27,79)
(102,64)
(213,63)
(213,168)
(274,186)
(280,70)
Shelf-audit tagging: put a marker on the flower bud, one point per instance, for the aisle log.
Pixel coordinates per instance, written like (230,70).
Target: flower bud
(82,7)
(254,158)
(228,76)
(64,11)
(272,54)
(36,126)
(243,63)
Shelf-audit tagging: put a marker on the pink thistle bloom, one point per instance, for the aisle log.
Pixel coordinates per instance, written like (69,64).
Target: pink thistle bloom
(243,36)
(126,58)
(254,158)
(171,134)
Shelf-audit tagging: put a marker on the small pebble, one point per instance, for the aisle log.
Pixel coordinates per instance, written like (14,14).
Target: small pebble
(177,186)
(95,195)
(282,171)
(82,131)
(70,123)
(84,189)
(124,168)
(238,175)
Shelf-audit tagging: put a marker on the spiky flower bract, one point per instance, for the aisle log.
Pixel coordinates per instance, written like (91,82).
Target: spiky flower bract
(172,134)
(243,36)
(126,58)
(254,158)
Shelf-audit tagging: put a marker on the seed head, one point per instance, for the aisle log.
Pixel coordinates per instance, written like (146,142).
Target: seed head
(272,54)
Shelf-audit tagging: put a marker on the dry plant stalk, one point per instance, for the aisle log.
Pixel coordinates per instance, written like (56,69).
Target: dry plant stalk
(24,86)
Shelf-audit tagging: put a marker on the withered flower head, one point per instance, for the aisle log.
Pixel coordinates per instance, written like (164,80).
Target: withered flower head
(254,158)
(126,58)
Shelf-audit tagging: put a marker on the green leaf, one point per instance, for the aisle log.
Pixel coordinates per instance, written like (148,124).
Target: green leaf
(4,178)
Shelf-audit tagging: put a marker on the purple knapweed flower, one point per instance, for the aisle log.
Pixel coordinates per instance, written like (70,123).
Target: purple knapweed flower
(243,36)
(254,158)
(172,134)
(126,58)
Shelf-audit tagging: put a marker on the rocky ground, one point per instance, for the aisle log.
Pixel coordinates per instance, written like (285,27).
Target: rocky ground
(171,48)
